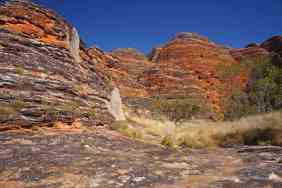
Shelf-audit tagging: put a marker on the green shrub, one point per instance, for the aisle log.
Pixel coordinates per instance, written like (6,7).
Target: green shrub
(177,109)
(237,105)
(265,88)
(226,71)
(263,93)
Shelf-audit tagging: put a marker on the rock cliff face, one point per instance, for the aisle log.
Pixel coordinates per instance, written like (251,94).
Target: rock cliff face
(187,66)
(46,74)
(274,46)
(124,67)
(131,63)
(248,52)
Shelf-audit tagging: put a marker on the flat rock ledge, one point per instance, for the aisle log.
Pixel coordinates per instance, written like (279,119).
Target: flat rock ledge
(103,159)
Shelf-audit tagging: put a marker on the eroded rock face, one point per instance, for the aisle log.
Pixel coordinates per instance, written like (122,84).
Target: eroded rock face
(123,67)
(251,51)
(184,67)
(187,66)
(45,72)
(131,63)
(274,46)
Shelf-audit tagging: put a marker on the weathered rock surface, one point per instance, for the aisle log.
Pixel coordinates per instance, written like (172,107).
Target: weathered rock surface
(115,105)
(46,74)
(249,52)
(101,159)
(124,67)
(274,46)
(187,66)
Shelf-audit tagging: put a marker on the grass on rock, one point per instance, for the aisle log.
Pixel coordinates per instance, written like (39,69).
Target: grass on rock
(254,130)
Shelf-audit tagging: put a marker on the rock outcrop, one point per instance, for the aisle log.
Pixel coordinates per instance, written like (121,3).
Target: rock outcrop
(274,46)
(123,67)
(187,67)
(115,105)
(36,160)
(131,63)
(251,51)
(46,74)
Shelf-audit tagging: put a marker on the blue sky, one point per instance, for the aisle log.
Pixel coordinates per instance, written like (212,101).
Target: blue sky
(144,24)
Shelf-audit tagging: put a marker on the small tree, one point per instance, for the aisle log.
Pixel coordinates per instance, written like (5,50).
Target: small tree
(177,109)
(263,93)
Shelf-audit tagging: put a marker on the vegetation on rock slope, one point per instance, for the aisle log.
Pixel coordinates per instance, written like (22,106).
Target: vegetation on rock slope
(177,110)
(263,93)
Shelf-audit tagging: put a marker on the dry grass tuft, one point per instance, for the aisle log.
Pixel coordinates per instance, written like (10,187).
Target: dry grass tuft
(254,130)
(125,128)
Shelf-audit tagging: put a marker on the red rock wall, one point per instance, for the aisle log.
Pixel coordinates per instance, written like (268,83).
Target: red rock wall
(42,77)
(188,65)
(123,67)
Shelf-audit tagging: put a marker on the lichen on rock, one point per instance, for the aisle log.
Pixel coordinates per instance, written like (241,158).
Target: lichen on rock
(74,44)
(115,105)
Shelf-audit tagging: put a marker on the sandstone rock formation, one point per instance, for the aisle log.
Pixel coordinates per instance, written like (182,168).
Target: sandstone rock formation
(123,67)
(274,46)
(187,66)
(132,64)
(250,51)
(46,74)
